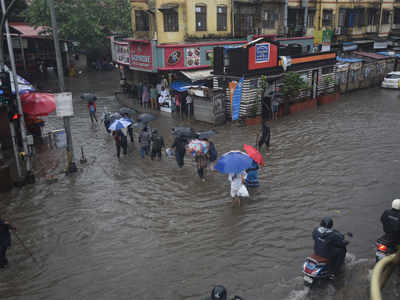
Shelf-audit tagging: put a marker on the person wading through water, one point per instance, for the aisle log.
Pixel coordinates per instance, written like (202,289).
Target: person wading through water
(5,241)
(264,136)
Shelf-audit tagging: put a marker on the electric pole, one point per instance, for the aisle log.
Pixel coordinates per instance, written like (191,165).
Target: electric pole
(71,167)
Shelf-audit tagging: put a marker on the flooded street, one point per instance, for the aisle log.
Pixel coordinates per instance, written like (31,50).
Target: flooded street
(147,230)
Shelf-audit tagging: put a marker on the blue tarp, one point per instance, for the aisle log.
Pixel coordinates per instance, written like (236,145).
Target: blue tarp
(348,60)
(182,86)
(386,53)
(237,96)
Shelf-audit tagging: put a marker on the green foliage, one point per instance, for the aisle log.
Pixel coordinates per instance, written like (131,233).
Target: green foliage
(16,12)
(88,22)
(292,85)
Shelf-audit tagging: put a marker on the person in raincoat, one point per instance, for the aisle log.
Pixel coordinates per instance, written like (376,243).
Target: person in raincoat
(157,143)
(238,189)
(252,175)
(180,149)
(5,241)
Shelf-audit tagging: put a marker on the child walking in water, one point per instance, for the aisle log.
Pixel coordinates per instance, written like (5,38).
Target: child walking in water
(238,189)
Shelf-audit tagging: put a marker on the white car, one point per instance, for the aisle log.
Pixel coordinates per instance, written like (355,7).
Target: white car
(391,80)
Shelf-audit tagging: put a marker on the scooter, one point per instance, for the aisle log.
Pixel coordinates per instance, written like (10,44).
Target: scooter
(316,268)
(384,247)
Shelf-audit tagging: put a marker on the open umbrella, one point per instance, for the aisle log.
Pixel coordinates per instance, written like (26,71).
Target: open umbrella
(38,104)
(233,162)
(115,116)
(129,111)
(205,134)
(183,132)
(254,154)
(198,147)
(88,97)
(145,118)
(119,124)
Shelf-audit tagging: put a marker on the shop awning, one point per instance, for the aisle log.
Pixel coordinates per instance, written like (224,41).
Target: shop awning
(198,74)
(28,31)
(181,86)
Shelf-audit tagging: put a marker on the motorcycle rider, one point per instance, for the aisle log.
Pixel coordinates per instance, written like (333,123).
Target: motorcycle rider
(391,222)
(219,293)
(330,243)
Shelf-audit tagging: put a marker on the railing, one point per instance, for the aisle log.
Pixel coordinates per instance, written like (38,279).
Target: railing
(381,273)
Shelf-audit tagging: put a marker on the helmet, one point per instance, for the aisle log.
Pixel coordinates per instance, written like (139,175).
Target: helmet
(327,222)
(396,204)
(218,293)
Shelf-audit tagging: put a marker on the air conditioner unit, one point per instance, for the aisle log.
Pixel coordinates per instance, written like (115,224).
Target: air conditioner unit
(338,30)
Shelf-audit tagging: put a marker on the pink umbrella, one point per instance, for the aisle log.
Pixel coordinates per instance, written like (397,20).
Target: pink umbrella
(38,104)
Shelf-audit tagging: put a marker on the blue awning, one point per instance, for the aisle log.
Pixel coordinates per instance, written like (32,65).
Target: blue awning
(181,86)
(348,60)
(387,53)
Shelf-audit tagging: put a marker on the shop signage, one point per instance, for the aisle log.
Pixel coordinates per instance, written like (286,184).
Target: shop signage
(192,57)
(122,53)
(263,56)
(174,58)
(262,53)
(64,107)
(141,56)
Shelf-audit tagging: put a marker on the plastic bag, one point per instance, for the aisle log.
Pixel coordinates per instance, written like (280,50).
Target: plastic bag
(243,192)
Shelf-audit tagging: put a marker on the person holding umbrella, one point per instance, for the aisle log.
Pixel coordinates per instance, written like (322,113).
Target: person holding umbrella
(91,98)
(234,163)
(119,137)
(265,136)
(252,172)
(145,141)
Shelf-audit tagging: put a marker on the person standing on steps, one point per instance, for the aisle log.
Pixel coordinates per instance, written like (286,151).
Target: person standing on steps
(92,111)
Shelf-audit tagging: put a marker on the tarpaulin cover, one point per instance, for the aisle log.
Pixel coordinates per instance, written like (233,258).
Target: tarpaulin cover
(181,86)
(237,96)
(348,59)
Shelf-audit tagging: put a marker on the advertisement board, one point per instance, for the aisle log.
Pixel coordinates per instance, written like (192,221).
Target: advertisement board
(263,56)
(141,56)
(174,58)
(64,107)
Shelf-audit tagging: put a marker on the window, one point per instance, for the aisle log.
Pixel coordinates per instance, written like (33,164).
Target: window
(171,23)
(269,19)
(142,20)
(372,16)
(221,18)
(386,17)
(311,17)
(201,18)
(327,17)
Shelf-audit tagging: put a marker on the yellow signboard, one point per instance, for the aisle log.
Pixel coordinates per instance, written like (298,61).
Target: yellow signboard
(318,37)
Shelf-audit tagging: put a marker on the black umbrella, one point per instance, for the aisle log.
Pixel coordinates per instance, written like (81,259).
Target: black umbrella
(183,132)
(205,134)
(145,118)
(129,111)
(88,97)
(139,125)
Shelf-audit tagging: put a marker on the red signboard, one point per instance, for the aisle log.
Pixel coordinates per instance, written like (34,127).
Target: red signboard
(141,56)
(263,56)
(174,58)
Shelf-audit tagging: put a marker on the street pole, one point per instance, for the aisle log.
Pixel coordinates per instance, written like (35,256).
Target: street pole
(71,167)
(29,175)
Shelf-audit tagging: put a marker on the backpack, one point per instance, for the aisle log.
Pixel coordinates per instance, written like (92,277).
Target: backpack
(213,152)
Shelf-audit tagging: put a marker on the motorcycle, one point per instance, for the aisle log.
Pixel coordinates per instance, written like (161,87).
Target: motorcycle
(316,268)
(384,247)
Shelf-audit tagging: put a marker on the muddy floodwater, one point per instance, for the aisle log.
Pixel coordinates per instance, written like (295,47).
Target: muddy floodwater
(147,230)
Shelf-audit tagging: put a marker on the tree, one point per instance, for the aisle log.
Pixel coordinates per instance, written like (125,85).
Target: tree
(293,84)
(88,22)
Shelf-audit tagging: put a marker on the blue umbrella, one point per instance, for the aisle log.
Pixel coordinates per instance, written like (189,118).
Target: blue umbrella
(119,124)
(233,162)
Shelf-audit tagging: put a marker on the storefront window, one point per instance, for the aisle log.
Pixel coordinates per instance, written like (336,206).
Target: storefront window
(201,18)
(221,18)
(171,23)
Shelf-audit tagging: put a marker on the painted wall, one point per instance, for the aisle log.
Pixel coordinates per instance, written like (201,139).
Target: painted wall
(171,37)
(211,18)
